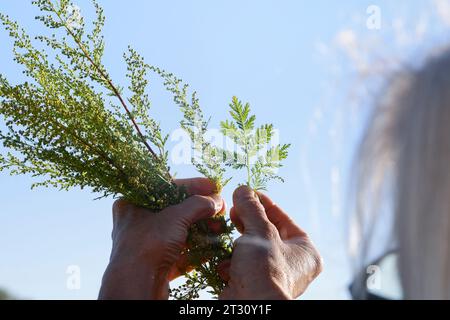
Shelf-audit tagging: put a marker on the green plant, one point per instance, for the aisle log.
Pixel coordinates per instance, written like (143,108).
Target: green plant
(71,125)
(260,163)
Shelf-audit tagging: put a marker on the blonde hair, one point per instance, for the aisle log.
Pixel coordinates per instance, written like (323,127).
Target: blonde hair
(404,160)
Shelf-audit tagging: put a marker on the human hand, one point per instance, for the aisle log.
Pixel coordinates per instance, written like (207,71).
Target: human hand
(274,258)
(146,251)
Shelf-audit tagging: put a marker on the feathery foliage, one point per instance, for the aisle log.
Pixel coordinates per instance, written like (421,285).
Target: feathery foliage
(260,161)
(70,125)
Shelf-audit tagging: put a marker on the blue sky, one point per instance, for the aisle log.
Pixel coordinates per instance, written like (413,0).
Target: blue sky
(309,67)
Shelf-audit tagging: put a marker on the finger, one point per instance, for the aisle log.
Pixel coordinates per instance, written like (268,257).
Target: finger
(121,206)
(122,209)
(223,211)
(236,221)
(287,228)
(250,212)
(195,208)
(199,186)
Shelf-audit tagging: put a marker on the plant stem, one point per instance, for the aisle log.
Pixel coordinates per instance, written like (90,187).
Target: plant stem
(248,172)
(97,151)
(112,86)
(247,160)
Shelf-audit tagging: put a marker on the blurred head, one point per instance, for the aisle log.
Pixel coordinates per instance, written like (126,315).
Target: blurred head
(402,184)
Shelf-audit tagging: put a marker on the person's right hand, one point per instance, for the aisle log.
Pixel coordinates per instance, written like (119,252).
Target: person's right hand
(274,258)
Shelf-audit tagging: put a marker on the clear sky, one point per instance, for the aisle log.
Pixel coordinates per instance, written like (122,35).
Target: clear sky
(309,67)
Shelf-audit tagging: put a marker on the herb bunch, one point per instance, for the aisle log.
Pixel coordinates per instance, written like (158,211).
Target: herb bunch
(70,125)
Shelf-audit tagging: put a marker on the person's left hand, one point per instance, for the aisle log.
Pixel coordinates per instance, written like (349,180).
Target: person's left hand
(274,259)
(146,252)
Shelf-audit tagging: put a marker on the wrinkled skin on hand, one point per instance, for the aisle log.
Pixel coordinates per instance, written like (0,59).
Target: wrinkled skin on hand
(146,251)
(274,258)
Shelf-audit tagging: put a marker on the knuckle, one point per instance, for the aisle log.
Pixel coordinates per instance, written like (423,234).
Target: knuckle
(249,203)
(119,208)
(118,205)
(265,229)
(271,232)
(258,245)
(251,207)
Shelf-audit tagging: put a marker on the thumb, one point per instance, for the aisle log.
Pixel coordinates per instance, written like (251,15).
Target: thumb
(249,211)
(196,208)
(287,228)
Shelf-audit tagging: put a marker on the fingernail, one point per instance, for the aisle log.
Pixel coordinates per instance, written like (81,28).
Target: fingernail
(218,203)
(223,209)
(244,192)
